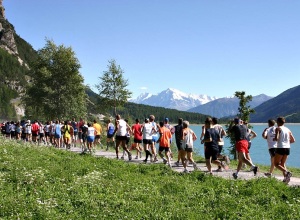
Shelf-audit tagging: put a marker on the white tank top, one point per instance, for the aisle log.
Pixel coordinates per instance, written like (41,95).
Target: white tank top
(284,138)
(147,131)
(91,132)
(270,136)
(122,129)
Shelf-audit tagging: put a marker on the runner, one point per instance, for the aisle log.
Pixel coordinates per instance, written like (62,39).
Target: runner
(57,134)
(164,143)
(98,130)
(154,137)
(179,139)
(91,132)
(222,134)
(110,140)
(188,137)
(284,138)
(211,137)
(148,130)
(137,137)
(41,133)
(120,131)
(66,131)
(240,133)
(269,135)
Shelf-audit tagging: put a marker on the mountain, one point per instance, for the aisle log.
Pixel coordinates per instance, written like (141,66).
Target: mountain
(15,54)
(173,98)
(286,104)
(227,106)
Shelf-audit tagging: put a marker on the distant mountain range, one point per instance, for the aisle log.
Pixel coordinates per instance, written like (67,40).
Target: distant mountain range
(224,107)
(174,99)
(286,104)
(204,104)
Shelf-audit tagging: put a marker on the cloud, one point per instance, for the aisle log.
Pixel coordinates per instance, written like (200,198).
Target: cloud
(143,88)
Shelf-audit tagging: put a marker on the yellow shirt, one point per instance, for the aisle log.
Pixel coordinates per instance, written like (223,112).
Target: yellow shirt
(98,128)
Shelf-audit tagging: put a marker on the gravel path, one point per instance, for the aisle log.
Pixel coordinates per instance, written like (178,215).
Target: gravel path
(244,174)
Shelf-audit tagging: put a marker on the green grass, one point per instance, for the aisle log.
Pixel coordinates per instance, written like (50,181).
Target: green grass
(46,183)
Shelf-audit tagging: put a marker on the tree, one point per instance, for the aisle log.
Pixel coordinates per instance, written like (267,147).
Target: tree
(112,87)
(244,112)
(56,89)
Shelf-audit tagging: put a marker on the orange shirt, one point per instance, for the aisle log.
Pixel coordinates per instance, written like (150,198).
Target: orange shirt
(165,136)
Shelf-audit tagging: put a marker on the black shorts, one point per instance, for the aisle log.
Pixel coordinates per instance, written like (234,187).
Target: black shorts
(47,134)
(137,141)
(179,145)
(220,148)
(272,152)
(211,153)
(147,141)
(97,137)
(121,138)
(79,135)
(75,133)
(42,135)
(282,151)
(34,134)
(188,149)
(109,135)
(83,137)
(161,149)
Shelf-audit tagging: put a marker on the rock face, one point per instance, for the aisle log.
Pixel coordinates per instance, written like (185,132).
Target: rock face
(7,40)
(2,10)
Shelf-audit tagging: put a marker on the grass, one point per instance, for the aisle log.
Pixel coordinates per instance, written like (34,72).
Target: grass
(46,183)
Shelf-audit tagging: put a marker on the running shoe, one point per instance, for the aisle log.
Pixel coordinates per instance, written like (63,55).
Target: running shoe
(177,163)
(288,177)
(224,165)
(226,159)
(255,170)
(219,169)
(164,161)
(235,176)
(269,174)
(122,158)
(136,157)
(185,171)
(195,166)
(129,156)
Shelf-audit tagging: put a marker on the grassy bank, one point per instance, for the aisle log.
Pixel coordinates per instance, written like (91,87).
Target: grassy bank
(46,183)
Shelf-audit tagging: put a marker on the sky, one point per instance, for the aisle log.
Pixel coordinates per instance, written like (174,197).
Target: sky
(211,47)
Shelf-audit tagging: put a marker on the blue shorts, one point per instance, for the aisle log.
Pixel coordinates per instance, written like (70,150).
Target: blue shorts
(90,139)
(57,135)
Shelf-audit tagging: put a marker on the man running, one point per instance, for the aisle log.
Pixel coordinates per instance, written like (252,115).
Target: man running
(284,138)
(240,133)
(121,138)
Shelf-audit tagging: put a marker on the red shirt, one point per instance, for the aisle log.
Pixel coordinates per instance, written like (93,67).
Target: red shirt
(137,131)
(35,128)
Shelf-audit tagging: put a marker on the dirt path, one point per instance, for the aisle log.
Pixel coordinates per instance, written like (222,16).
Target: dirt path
(225,174)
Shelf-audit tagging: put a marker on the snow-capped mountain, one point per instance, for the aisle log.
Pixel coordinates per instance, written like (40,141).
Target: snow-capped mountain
(173,98)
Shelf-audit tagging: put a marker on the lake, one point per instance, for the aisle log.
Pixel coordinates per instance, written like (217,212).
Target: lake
(259,149)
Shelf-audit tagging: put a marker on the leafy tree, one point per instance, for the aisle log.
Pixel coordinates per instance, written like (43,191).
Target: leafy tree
(57,89)
(244,112)
(112,87)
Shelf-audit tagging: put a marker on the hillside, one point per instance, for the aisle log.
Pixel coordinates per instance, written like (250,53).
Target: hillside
(286,104)
(226,106)
(15,55)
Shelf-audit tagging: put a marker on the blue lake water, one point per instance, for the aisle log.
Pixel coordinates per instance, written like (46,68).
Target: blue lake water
(259,149)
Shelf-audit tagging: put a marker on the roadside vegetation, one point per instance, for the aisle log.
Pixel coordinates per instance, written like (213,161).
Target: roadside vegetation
(47,183)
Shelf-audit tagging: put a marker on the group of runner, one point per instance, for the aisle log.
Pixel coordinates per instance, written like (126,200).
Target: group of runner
(147,134)
(57,133)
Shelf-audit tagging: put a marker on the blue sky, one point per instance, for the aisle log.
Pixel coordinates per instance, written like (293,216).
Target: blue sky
(212,47)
